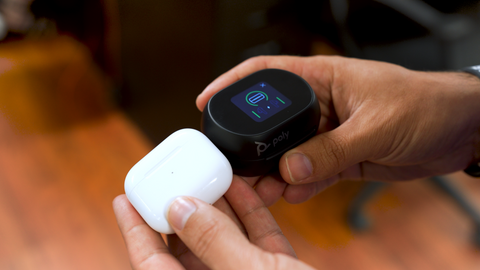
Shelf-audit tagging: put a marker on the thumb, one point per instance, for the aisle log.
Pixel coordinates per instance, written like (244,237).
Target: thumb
(212,236)
(327,155)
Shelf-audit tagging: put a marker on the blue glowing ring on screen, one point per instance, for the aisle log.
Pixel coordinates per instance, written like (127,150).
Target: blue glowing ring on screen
(258,99)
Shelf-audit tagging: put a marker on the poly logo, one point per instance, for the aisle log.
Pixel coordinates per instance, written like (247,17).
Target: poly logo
(262,147)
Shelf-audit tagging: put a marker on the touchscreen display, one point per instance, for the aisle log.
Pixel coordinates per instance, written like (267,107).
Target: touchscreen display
(261,101)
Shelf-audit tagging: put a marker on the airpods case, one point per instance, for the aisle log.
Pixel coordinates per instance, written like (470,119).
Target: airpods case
(186,163)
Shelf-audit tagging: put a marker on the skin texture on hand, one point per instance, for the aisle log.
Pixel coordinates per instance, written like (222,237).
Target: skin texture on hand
(243,235)
(379,122)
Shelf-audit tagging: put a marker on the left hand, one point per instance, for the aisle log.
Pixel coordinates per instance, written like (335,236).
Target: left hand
(212,239)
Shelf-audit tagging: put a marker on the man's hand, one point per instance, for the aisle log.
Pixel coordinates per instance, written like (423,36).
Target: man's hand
(379,122)
(212,239)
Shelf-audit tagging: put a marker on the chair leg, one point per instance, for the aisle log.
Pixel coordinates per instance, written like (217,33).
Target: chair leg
(357,219)
(462,202)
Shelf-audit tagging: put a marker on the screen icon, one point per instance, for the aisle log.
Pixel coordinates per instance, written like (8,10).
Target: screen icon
(274,103)
(254,97)
(261,101)
(261,110)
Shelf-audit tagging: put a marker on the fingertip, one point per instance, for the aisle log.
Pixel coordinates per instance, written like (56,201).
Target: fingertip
(203,98)
(302,193)
(299,194)
(119,198)
(119,203)
(180,211)
(240,71)
(270,189)
(295,167)
(299,166)
(251,180)
(283,170)
(200,102)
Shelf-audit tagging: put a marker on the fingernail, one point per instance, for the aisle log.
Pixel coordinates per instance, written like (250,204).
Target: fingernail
(180,211)
(299,167)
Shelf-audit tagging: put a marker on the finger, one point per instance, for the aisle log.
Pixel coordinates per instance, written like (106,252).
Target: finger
(145,247)
(212,236)
(251,181)
(328,154)
(295,194)
(184,254)
(301,193)
(244,69)
(261,227)
(224,206)
(270,189)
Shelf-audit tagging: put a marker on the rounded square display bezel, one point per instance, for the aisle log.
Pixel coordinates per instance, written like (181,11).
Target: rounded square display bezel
(228,116)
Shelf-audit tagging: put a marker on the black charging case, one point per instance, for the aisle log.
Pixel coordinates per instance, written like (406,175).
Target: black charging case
(260,117)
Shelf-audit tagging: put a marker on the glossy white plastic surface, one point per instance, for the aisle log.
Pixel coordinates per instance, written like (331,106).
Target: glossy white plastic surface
(186,163)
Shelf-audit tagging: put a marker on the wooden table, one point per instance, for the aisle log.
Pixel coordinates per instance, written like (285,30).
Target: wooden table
(64,154)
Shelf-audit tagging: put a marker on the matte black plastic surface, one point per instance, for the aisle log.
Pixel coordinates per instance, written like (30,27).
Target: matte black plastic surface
(255,148)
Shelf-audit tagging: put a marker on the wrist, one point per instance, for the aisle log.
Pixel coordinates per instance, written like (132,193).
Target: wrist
(474,166)
(458,95)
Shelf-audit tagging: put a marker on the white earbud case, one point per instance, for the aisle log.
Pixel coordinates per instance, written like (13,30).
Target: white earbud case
(186,163)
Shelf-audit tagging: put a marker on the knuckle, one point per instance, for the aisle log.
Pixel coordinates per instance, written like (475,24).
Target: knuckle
(274,262)
(335,151)
(255,60)
(252,211)
(272,233)
(208,232)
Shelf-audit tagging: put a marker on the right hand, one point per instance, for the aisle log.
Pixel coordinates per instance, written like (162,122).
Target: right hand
(379,122)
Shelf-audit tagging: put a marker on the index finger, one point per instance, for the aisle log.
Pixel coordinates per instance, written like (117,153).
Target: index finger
(244,69)
(261,227)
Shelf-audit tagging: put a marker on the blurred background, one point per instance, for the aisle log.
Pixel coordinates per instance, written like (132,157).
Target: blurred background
(87,88)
